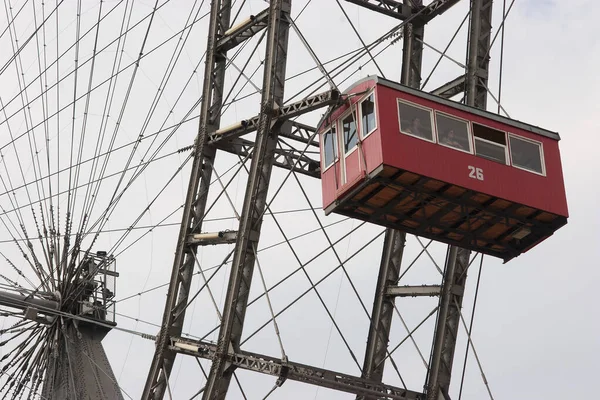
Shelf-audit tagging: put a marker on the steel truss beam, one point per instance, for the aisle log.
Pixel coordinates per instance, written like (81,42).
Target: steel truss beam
(394,242)
(300,132)
(404,10)
(242,267)
(287,158)
(285,369)
(388,7)
(195,204)
(457,259)
(278,114)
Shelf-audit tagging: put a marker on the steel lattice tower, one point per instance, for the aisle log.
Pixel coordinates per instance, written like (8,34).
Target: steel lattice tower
(270,124)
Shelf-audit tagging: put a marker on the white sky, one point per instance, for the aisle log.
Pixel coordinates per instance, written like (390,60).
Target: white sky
(536,331)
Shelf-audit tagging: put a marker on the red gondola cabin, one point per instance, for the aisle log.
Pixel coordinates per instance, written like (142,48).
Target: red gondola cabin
(409,160)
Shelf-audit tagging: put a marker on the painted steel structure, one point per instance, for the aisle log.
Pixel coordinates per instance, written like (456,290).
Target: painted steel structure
(269,125)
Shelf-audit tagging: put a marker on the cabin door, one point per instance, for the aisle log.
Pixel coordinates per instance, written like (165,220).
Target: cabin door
(352,165)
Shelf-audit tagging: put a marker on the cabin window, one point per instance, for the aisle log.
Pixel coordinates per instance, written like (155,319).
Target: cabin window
(526,154)
(415,121)
(453,132)
(490,143)
(349,132)
(330,153)
(367,112)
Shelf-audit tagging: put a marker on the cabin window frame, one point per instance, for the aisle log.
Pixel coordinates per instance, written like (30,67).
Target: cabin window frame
(422,107)
(340,123)
(541,152)
(336,155)
(371,93)
(506,146)
(470,135)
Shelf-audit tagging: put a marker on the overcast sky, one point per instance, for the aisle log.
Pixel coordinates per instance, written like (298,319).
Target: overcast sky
(536,330)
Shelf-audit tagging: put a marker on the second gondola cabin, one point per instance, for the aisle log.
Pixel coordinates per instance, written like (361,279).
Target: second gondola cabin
(404,159)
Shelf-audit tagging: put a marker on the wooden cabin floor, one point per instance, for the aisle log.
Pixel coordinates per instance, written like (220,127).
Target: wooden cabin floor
(451,214)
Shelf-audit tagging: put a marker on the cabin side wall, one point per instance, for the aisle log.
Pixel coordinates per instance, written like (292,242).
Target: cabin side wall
(349,169)
(457,167)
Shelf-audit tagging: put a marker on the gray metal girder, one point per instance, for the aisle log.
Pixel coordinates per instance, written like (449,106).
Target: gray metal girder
(242,267)
(195,204)
(294,371)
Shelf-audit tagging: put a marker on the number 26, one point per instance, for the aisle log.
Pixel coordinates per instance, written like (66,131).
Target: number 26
(475,173)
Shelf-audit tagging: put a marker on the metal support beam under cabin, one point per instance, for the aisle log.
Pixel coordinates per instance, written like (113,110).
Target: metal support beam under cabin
(195,204)
(285,369)
(242,267)
(457,259)
(394,242)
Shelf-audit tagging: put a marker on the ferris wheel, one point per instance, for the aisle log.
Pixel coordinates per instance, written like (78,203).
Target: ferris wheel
(253,199)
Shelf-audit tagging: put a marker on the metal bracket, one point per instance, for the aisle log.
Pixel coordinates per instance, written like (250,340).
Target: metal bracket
(212,238)
(414,291)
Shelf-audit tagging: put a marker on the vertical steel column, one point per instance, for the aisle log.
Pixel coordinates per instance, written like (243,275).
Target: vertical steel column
(457,259)
(193,212)
(478,56)
(394,242)
(242,267)
(412,50)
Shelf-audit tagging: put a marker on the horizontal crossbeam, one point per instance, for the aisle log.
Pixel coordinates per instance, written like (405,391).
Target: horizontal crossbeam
(391,8)
(414,291)
(284,113)
(243,31)
(295,371)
